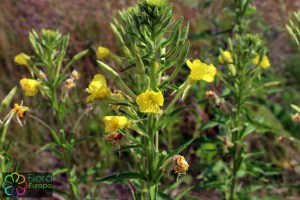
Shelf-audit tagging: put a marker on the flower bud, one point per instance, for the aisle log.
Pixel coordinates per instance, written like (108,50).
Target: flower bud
(75,74)
(102,52)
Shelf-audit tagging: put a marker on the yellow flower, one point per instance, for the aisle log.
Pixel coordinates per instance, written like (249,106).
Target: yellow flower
(201,71)
(113,123)
(264,63)
(30,86)
(102,52)
(18,113)
(228,57)
(97,88)
(180,165)
(150,101)
(22,59)
(20,110)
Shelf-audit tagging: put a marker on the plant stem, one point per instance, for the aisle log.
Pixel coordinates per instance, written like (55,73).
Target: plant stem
(4,131)
(40,121)
(67,152)
(235,138)
(153,76)
(174,100)
(156,141)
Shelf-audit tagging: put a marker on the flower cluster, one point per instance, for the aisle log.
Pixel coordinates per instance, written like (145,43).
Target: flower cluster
(226,57)
(70,82)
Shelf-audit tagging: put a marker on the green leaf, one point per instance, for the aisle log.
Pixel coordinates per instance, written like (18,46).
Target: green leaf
(264,121)
(251,188)
(183,193)
(209,185)
(296,108)
(120,176)
(153,192)
(55,137)
(180,149)
(165,121)
(90,171)
(6,101)
(82,139)
(47,146)
(59,171)
(124,148)
(176,111)
(210,124)
(61,192)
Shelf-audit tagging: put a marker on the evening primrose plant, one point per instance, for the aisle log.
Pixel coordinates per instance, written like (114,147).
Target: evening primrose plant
(244,62)
(155,48)
(52,78)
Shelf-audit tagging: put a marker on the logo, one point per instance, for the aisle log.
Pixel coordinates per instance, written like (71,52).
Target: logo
(27,184)
(14,185)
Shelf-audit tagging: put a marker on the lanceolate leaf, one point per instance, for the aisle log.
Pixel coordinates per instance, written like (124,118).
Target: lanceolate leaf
(131,147)
(120,176)
(180,149)
(6,101)
(296,108)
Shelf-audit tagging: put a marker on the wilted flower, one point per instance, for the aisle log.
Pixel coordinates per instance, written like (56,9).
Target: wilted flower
(102,52)
(97,88)
(113,123)
(227,143)
(30,86)
(115,139)
(18,112)
(150,101)
(264,63)
(69,83)
(225,56)
(22,59)
(180,165)
(210,94)
(42,75)
(296,117)
(201,71)
(280,139)
(75,74)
